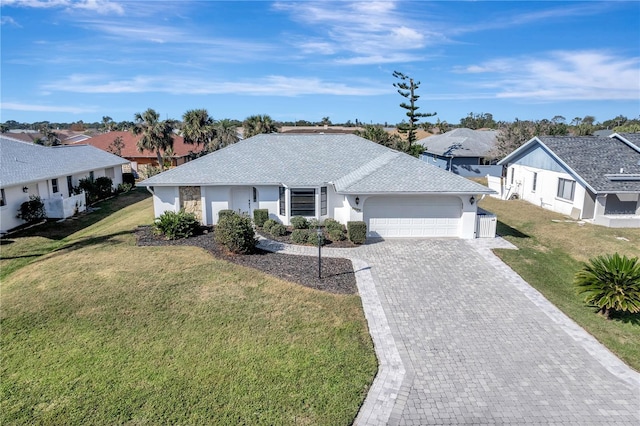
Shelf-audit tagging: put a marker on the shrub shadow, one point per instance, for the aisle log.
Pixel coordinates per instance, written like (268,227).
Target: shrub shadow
(504,230)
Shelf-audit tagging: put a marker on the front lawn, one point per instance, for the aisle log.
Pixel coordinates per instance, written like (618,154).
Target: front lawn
(551,250)
(97,330)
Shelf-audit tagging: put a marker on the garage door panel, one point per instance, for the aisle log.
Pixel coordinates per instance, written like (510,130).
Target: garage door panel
(396,217)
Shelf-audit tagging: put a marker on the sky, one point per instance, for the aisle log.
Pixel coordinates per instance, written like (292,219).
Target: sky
(65,61)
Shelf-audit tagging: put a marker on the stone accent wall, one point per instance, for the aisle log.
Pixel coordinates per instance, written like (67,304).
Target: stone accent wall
(191,201)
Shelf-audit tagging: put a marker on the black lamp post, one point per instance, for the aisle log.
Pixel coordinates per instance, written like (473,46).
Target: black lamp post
(319,231)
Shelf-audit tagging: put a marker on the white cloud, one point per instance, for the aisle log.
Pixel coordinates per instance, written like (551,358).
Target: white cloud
(560,75)
(8,20)
(13,106)
(180,85)
(102,7)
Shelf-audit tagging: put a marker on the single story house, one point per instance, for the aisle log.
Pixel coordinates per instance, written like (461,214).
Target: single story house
(339,176)
(182,152)
(590,178)
(51,173)
(462,151)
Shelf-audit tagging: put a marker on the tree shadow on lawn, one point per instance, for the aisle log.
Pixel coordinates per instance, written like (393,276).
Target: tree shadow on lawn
(505,230)
(58,230)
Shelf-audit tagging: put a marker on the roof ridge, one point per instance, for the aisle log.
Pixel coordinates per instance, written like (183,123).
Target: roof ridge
(366,169)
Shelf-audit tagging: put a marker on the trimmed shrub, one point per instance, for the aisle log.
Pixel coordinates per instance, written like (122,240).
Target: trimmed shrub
(266,226)
(278,230)
(176,225)
(300,236)
(299,222)
(32,210)
(313,223)
(129,178)
(357,232)
(312,238)
(331,224)
(260,216)
(336,234)
(235,232)
(223,213)
(96,189)
(124,187)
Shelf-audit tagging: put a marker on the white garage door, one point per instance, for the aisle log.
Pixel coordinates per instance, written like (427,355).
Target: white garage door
(406,216)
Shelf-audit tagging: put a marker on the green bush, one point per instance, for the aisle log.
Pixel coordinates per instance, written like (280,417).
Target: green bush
(32,210)
(96,189)
(129,178)
(235,232)
(176,225)
(357,232)
(223,213)
(300,236)
(312,238)
(266,226)
(313,223)
(260,216)
(611,283)
(124,187)
(331,224)
(278,230)
(299,222)
(336,234)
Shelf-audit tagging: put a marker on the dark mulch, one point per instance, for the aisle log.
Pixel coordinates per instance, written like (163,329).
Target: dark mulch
(328,243)
(337,274)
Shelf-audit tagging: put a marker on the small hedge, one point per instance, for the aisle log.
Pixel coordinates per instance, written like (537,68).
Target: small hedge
(235,232)
(176,225)
(266,226)
(331,224)
(312,238)
(260,216)
(223,213)
(300,236)
(299,222)
(357,232)
(129,178)
(336,234)
(278,230)
(32,210)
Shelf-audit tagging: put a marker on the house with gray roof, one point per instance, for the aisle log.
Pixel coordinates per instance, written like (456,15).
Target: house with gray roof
(339,176)
(591,178)
(50,173)
(462,151)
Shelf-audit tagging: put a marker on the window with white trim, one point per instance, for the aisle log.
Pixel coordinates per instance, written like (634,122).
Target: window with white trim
(566,189)
(323,201)
(3,201)
(303,202)
(54,185)
(535,182)
(283,201)
(513,172)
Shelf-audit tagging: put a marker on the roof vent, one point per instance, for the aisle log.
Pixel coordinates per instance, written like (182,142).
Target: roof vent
(621,169)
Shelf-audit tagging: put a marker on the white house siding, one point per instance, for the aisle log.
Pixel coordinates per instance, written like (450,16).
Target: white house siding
(165,198)
(269,198)
(14,197)
(545,194)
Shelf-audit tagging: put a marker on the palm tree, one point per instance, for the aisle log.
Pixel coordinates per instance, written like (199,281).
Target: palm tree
(257,124)
(198,127)
(107,124)
(226,133)
(156,135)
(612,283)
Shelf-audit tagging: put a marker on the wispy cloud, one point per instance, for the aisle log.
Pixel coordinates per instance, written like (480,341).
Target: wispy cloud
(275,85)
(13,106)
(102,7)
(8,20)
(560,75)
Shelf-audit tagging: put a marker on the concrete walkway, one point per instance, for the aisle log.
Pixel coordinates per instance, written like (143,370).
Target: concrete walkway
(462,339)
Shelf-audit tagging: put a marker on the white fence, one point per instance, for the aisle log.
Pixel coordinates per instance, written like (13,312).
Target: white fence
(486,224)
(495,183)
(62,208)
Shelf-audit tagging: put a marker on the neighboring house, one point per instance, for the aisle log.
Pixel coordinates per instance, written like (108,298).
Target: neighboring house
(182,152)
(462,151)
(51,173)
(590,178)
(344,177)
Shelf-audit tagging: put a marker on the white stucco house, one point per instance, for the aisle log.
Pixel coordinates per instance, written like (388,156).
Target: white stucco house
(50,173)
(339,176)
(590,178)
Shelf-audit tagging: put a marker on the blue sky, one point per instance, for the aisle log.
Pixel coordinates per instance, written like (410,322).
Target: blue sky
(65,61)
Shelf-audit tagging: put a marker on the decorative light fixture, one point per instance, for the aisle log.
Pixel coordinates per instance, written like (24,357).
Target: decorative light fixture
(357,200)
(25,189)
(472,200)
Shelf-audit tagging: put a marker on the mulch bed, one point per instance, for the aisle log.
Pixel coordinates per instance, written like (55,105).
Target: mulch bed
(337,274)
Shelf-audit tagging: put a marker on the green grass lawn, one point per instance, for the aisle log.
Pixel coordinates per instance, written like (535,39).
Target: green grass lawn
(97,330)
(551,251)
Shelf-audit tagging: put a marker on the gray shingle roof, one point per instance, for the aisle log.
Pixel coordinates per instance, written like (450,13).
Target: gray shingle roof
(353,164)
(461,143)
(596,159)
(24,162)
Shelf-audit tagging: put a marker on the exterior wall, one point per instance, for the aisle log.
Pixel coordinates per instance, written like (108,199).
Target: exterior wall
(463,166)
(165,198)
(216,198)
(269,198)
(545,194)
(14,198)
(468,218)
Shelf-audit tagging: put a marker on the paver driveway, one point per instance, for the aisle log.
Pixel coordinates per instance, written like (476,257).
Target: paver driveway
(463,340)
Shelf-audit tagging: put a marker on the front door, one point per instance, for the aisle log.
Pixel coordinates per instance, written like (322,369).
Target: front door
(241,200)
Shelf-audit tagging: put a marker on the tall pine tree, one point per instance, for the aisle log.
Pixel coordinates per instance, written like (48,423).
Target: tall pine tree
(407,88)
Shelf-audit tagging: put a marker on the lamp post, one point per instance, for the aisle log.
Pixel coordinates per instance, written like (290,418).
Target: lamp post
(319,231)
